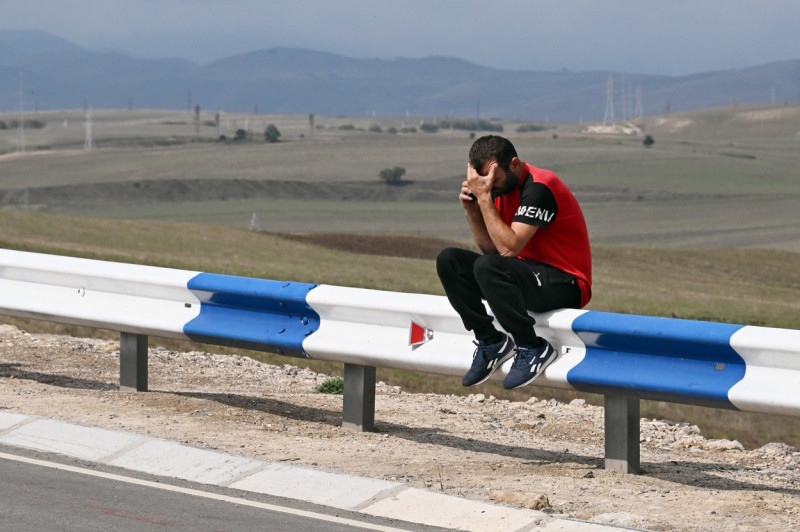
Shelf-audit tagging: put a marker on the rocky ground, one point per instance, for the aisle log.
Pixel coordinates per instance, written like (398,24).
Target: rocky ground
(539,454)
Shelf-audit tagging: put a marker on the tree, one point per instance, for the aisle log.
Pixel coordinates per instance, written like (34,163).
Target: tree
(271,134)
(648,141)
(393,176)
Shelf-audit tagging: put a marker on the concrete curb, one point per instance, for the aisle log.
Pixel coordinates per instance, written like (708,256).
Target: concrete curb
(375,497)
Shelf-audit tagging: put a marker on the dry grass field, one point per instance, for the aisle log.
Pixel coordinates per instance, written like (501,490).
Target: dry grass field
(719,178)
(701,225)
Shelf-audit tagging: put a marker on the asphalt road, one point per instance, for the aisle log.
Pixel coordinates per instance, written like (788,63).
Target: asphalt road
(44,492)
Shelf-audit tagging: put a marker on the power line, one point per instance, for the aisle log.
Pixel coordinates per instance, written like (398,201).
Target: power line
(639,111)
(88,143)
(609,115)
(21,125)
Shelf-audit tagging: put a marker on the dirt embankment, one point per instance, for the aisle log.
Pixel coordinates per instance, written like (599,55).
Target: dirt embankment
(535,453)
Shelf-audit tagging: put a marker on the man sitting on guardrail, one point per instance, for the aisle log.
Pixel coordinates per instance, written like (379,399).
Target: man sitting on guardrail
(535,256)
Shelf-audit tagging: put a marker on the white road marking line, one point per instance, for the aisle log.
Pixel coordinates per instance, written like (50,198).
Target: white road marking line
(198,493)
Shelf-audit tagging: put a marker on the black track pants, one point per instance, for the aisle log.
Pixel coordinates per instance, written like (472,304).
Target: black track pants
(510,286)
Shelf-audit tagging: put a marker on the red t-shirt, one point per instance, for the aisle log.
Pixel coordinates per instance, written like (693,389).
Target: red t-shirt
(562,240)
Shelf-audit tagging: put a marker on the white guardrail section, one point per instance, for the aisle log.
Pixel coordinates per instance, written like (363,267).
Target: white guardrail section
(624,357)
(415,332)
(137,299)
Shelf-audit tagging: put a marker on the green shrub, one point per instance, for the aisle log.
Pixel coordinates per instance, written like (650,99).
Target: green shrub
(393,176)
(332,386)
(525,128)
(27,124)
(271,134)
(471,125)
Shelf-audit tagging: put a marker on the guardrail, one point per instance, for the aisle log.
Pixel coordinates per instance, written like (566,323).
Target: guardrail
(623,357)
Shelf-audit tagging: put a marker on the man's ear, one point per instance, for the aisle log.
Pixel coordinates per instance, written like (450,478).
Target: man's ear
(516,166)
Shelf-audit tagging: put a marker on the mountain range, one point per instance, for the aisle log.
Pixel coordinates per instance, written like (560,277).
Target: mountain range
(39,71)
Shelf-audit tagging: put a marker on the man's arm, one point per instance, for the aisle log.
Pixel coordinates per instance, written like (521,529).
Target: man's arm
(491,233)
(507,240)
(475,219)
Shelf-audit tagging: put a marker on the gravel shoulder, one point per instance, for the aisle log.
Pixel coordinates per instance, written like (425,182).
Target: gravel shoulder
(537,454)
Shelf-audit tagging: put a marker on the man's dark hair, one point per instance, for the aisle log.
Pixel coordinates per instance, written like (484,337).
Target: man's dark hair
(491,147)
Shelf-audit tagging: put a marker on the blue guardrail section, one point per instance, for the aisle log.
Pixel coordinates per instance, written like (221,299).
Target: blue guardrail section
(661,358)
(250,313)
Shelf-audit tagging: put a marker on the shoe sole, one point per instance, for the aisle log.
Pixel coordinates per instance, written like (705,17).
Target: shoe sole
(547,363)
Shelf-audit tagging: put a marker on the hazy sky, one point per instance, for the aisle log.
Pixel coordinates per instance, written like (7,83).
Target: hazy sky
(671,37)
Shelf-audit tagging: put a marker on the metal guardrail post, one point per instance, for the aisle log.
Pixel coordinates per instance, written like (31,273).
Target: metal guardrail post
(132,362)
(622,421)
(358,410)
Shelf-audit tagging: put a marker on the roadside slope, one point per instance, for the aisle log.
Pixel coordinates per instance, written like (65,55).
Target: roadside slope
(537,454)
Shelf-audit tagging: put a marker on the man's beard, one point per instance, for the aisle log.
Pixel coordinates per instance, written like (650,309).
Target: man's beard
(512,180)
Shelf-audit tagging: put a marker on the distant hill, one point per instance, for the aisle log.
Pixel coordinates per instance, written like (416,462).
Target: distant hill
(58,74)
(16,46)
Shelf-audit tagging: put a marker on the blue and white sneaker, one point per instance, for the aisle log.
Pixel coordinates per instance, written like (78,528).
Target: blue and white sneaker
(529,363)
(487,359)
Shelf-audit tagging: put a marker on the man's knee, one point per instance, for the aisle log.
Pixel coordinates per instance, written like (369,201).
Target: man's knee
(447,255)
(488,266)
(455,260)
(446,258)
